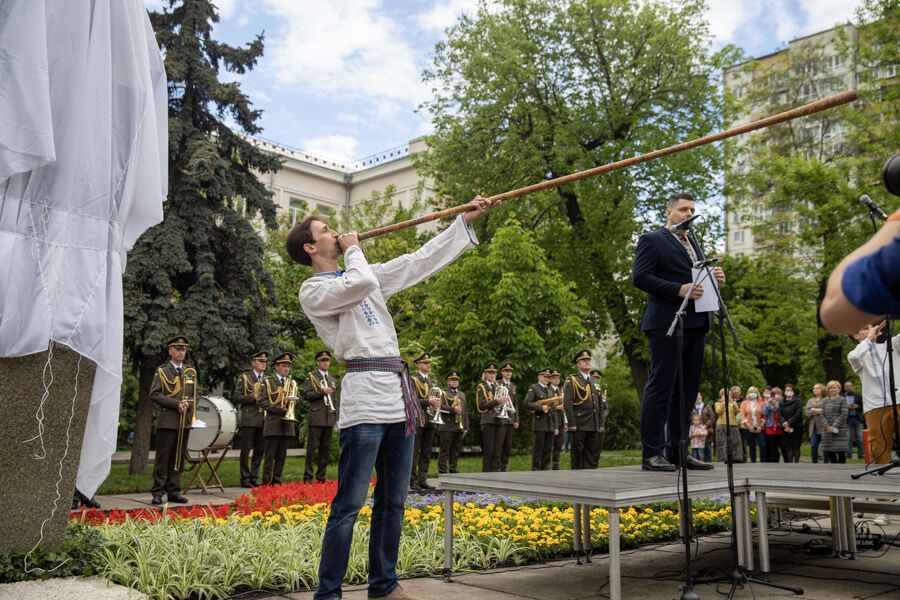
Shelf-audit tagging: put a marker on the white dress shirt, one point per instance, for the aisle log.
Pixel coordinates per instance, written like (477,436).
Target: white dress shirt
(869,361)
(350,314)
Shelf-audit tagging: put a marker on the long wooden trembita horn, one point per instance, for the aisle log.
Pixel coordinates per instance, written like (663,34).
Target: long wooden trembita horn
(794,113)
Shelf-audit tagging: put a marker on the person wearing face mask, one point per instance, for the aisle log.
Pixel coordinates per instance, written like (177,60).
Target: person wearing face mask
(816,423)
(753,423)
(791,424)
(772,400)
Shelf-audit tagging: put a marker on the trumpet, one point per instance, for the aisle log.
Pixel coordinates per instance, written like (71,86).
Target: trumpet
(290,393)
(328,401)
(505,405)
(552,401)
(189,378)
(434,412)
(454,404)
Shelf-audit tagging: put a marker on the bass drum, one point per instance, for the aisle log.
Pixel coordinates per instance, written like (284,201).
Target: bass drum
(220,418)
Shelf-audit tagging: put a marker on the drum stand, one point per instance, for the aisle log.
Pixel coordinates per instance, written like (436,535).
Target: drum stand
(213,468)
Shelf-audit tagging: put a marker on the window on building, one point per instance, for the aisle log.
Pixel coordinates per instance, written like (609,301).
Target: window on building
(737,237)
(297,209)
(324,209)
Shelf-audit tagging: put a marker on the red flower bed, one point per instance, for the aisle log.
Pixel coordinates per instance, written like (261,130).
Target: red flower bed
(272,497)
(264,498)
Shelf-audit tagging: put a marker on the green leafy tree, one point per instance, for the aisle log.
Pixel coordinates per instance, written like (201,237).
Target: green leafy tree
(533,89)
(503,302)
(200,271)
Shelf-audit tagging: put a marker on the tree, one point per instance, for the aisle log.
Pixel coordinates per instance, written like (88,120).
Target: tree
(503,302)
(200,271)
(534,89)
(804,176)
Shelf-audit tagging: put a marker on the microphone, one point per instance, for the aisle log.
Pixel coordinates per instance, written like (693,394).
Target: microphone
(706,262)
(686,224)
(873,208)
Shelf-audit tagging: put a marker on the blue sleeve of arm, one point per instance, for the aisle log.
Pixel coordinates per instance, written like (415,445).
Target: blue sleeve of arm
(643,274)
(872,283)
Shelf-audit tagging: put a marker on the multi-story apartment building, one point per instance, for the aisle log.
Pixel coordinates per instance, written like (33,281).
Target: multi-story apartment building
(309,183)
(810,68)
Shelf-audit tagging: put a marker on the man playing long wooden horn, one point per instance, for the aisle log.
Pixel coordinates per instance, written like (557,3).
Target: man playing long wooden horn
(377,415)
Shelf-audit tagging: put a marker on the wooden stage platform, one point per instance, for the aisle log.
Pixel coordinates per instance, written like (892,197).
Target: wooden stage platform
(619,487)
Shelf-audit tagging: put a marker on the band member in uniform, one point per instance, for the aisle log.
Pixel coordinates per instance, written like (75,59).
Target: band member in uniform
(422,384)
(322,395)
(544,421)
(456,424)
(511,423)
(247,390)
(582,404)
(597,376)
(277,430)
(167,391)
(662,267)
(559,418)
(490,425)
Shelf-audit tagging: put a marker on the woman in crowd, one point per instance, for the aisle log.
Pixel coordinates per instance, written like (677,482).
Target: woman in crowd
(774,433)
(733,432)
(753,424)
(835,436)
(791,424)
(816,424)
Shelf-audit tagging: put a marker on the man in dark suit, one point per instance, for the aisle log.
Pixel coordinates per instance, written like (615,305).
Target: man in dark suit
(321,418)
(662,268)
(246,397)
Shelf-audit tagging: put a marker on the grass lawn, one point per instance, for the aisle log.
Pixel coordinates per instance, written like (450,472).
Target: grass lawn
(121,482)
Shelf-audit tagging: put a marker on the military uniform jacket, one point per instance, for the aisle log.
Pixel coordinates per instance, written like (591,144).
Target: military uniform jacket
(582,403)
(422,384)
(166,391)
(603,411)
(485,403)
(250,411)
(543,421)
(449,398)
(320,415)
(269,399)
(559,416)
(514,417)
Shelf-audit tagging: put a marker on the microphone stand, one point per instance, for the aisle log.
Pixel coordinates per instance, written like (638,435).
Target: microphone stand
(740,575)
(889,347)
(687,590)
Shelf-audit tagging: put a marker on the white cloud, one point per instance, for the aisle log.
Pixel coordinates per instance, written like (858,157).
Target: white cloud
(824,14)
(444,14)
(350,49)
(227,8)
(340,147)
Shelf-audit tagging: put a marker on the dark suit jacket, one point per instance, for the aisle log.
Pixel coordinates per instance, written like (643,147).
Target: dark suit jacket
(544,420)
(251,413)
(585,415)
(320,415)
(661,267)
(422,385)
(274,425)
(449,417)
(168,396)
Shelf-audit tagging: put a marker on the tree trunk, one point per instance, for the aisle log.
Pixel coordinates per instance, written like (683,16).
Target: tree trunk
(140,450)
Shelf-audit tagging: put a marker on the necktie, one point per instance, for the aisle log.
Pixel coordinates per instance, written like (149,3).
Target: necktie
(178,371)
(687,246)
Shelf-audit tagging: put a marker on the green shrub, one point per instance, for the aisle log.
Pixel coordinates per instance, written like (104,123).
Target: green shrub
(80,555)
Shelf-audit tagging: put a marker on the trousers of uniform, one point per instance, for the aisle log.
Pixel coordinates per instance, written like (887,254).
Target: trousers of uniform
(661,422)
(585,449)
(451,443)
(318,452)
(252,440)
(557,448)
(422,448)
(504,445)
(490,433)
(276,454)
(166,480)
(542,450)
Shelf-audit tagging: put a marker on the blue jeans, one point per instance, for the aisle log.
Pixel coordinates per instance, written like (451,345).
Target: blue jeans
(752,440)
(388,450)
(814,439)
(855,427)
(707,452)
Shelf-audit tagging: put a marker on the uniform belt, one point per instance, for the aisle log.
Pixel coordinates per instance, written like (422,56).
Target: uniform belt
(392,364)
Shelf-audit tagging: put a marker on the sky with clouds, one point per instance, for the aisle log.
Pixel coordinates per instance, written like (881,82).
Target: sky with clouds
(341,78)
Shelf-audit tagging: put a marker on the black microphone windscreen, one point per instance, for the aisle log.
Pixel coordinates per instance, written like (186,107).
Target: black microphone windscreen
(890,175)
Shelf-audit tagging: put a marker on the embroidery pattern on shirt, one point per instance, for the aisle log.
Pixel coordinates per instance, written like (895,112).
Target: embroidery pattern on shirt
(369,314)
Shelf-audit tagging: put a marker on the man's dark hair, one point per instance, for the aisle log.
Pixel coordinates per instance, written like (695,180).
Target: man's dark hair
(300,234)
(671,200)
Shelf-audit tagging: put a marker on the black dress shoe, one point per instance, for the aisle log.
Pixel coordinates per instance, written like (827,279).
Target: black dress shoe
(91,503)
(414,487)
(246,484)
(76,502)
(157,500)
(657,463)
(425,485)
(698,465)
(178,499)
(254,483)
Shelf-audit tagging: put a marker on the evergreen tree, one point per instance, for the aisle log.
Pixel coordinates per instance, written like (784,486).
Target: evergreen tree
(200,272)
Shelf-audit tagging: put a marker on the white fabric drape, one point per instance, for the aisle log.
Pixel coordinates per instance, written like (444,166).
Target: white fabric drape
(83,172)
